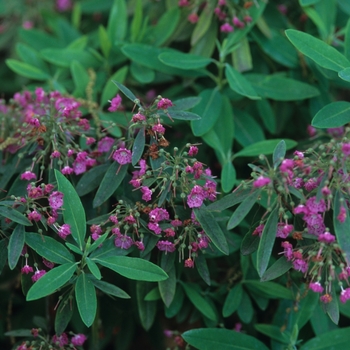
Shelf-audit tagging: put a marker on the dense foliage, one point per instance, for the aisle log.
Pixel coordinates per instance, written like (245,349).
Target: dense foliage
(174,174)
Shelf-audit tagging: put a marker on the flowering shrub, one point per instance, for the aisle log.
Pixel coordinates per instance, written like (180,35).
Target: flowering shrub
(172,172)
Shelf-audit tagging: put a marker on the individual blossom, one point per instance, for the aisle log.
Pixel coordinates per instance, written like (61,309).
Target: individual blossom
(345,295)
(95,231)
(237,22)
(193,151)
(55,154)
(123,242)
(154,226)
(38,274)
(283,230)
(196,197)
(28,175)
(193,18)
(105,144)
(48,264)
(261,181)
(189,263)
(122,156)
(64,231)
(138,117)
(158,214)
(146,193)
(115,103)
(315,206)
(140,246)
(63,5)
(159,128)
(316,287)
(60,340)
(164,103)
(288,250)
(90,140)
(326,238)
(67,170)
(34,216)
(258,230)
(56,200)
(26,269)
(341,217)
(78,339)
(166,246)
(336,132)
(226,28)
(326,298)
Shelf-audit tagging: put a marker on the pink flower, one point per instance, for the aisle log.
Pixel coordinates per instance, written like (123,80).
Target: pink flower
(342,215)
(345,295)
(63,5)
(226,28)
(166,246)
(283,230)
(189,263)
(78,339)
(261,181)
(56,200)
(316,287)
(48,263)
(346,149)
(154,226)
(26,269)
(105,144)
(326,238)
(67,170)
(158,214)
(146,193)
(64,231)
(193,151)
(38,274)
(196,197)
(55,154)
(28,175)
(315,206)
(159,128)
(123,242)
(34,216)
(122,156)
(326,298)
(193,18)
(300,265)
(237,22)
(61,340)
(164,103)
(27,25)
(138,117)
(90,140)
(140,245)
(115,103)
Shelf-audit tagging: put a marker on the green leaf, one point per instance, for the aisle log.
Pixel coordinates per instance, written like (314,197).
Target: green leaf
(165,26)
(3,254)
(279,153)
(49,248)
(152,295)
(73,210)
(51,281)
(176,305)
(184,60)
(228,177)
(324,55)
(267,115)
(110,289)
(184,103)
(117,21)
(26,70)
(15,246)
(247,129)
(243,209)
(110,90)
(133,268)
(308,2)
(110,183)
(209,109)
(91,179)
(136,22)
(332,340)
(279,268)
(93,268)
(31,56)
(126,91)
(333,115)
(80,77)
(182,115)
(141,73)
(138,146)
(345,74)
(267,241)
(263,147)
(202,268)
(306,308)
(229,200)
(64,57)
(167,288)
(64,314)
(212,229)
(14,215)
(108,249)
(240,84)
(85,296)
(202,25)
(347,39)
(341,228)
(280,88)
(250,243)
(105,42)
(232,301)
(146,309)
(198,301)
(223,339)
(270,290)
(274,332)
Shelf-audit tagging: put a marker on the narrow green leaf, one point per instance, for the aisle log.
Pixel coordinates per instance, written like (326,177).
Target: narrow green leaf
(240,84)
(212,229)
(202,268)
(26,70)
(228,177)
(341,228)
(14,215)
(93,268)
(306,308)
(138,146)
(85,296)
(331,340)
(279,268)
(110,289)
(15,246)
(323,54)
(182,115)
(243,209)
(64,57)
(347,39)
(117,21)
(126,91)
(111,181)
(198,301)
(51,281)
(146,309)
(274,332)
(345,74)
(232,301)
(110,90)
(223,339)
(267,241)
(263,147)
(209,109)
(80,77)
(333,115)
(63,316)
(270,290)
(31,56)
(91,179)
(184,60)
(136,22)
(152,295)
(229,200)
(279,153)
(167,288)
(202,25)
(3,254)
(73,210)
(133,268)
(308,2)
(250,243)
(185,103)
(49,248)
(267,115)
(105,42)
(141,73)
